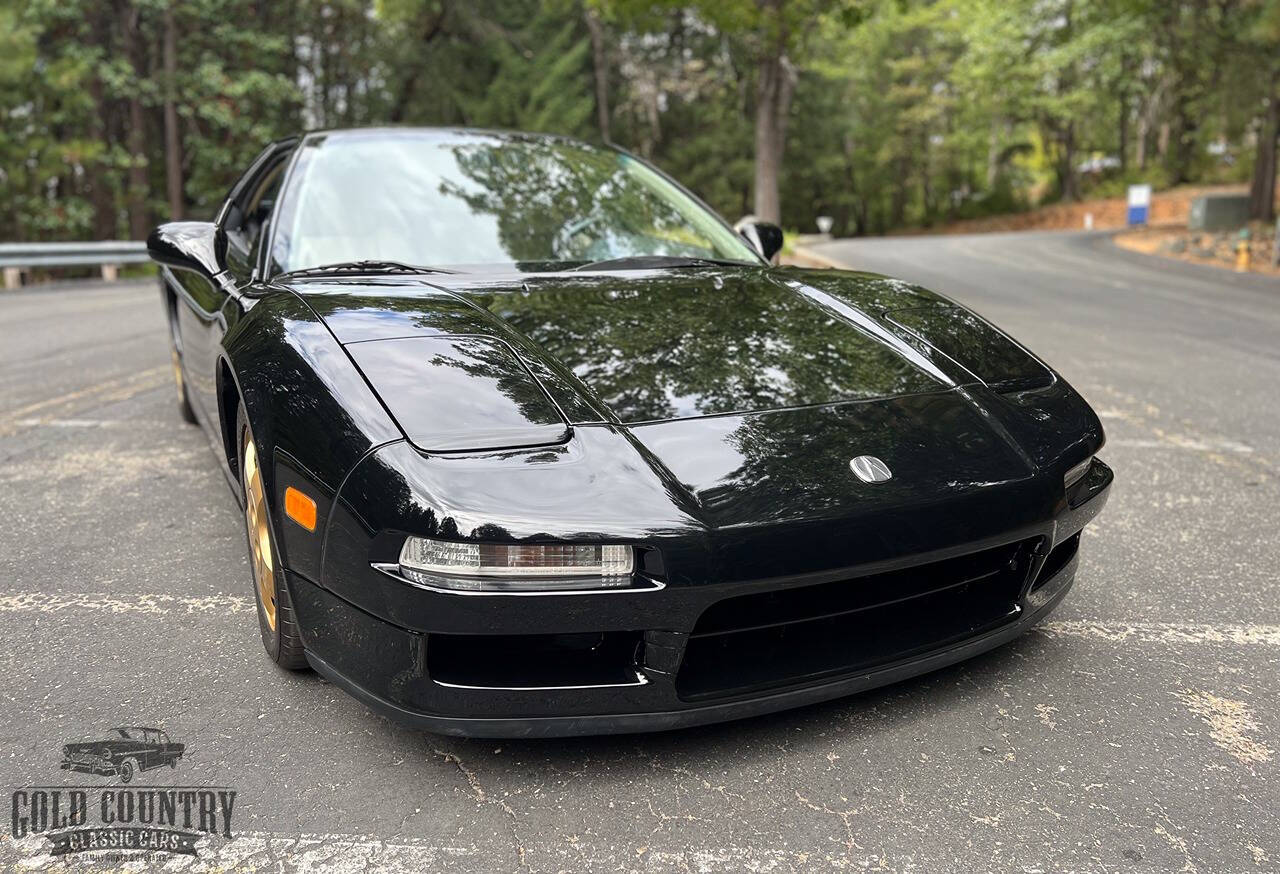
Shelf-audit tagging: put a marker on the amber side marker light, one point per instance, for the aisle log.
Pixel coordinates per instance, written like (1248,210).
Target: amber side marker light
(300,508)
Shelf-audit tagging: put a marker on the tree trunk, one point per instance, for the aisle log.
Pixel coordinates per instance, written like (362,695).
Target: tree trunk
(1182,150)
(773,105)
(898,198)
(600,66)
(926,179)
(1143,134)
(172,136)
(1067,174)
(432,27)
(652,133)
(101,194)
(1122,114)
(993,154)
(775,84)
(1262,190)
(136,136)
(1123,121)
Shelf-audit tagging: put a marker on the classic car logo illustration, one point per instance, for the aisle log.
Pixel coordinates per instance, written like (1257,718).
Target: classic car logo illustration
(124,752)
(870,469)
(120,818)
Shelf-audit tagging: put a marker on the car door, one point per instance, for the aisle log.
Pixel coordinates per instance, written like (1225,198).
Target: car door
(197,302)
(207,308)
(146,750)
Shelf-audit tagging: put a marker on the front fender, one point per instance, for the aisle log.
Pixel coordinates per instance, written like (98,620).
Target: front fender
(309,410)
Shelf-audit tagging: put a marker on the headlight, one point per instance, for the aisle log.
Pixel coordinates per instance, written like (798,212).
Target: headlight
(491,567)
(1075,474)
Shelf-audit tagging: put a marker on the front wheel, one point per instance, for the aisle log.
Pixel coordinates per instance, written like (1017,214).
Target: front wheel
(276,622)
(125,771)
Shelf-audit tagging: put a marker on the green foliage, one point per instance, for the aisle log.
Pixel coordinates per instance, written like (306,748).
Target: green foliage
(904,112)
(542,80)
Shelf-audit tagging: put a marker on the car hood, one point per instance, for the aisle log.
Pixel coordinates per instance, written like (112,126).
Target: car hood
(647,346)
(716,412)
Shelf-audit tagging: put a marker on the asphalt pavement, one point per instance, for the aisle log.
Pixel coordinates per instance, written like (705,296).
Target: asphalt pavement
(1138,730)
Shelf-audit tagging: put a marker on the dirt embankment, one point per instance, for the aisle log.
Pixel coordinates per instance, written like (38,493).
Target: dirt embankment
(1216,249)
(1170,207)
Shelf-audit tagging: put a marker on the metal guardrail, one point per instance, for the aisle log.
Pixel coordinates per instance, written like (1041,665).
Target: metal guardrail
(109,254)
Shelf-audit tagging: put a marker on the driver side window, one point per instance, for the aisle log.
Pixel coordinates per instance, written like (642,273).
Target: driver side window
(246,239)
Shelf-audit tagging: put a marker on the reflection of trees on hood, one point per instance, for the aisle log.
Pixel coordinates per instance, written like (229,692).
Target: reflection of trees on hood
(483,358)
(663,347)
(767,447)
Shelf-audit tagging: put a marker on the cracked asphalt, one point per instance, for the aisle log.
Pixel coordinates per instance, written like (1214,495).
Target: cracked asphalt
(1136,731)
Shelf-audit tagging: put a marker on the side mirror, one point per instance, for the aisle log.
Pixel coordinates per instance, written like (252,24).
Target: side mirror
(198,246)
(764,237)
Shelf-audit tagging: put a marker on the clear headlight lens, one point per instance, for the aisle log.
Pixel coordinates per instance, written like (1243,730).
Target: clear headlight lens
(1075,474)
(538,567)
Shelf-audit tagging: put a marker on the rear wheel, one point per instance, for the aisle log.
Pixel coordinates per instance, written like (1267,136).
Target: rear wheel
(276,622)
(184,402)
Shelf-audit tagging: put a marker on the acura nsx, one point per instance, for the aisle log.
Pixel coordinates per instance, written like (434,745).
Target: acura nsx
(529,441)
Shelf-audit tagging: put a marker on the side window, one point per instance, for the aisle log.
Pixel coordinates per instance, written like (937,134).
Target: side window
(244,241)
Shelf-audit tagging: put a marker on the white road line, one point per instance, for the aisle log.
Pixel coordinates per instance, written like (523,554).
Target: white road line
(42,602)
(1231,724)
(67,423)
(1110,631)
(1164,632)
(1177,442)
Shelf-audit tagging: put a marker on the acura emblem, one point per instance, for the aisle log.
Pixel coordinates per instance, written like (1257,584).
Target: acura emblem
(870,469)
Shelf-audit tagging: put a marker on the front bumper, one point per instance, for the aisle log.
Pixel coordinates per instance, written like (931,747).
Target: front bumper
(104,769)
(389,662)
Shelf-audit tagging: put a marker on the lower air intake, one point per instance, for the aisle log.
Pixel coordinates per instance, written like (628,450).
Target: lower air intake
(790,637)
(534,661)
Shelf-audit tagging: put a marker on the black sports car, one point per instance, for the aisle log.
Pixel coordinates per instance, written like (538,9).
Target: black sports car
(530,442)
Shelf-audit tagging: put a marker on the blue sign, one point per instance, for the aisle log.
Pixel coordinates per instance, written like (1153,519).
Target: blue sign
(1139,204)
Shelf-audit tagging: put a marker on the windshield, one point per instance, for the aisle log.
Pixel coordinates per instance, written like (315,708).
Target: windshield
(124,733)
(442,198)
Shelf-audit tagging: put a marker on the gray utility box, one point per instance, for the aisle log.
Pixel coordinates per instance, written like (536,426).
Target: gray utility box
(1219,212)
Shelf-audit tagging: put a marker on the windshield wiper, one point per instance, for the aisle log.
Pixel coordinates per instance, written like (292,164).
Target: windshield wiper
(373,266)
(657,262)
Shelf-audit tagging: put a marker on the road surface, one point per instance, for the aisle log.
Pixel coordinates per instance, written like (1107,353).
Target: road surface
(1138,731)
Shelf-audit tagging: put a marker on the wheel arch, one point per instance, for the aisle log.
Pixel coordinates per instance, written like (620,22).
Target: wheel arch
(310,412)
(228,404)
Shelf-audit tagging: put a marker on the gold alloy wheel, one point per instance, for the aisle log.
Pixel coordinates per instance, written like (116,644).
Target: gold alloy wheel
(255,516)
(177,373)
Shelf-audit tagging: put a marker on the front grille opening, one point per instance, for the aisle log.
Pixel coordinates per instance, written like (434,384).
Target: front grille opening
(795,636)
(534,661)
(1057,560)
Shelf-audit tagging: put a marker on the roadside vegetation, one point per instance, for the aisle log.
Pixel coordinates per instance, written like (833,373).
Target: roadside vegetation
(882,114)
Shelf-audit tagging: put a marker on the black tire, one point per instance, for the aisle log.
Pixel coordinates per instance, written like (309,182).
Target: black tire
(283,643)
(184,401)
(125,771)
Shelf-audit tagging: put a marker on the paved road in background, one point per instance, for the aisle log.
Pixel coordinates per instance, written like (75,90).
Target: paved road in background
(1139,730)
